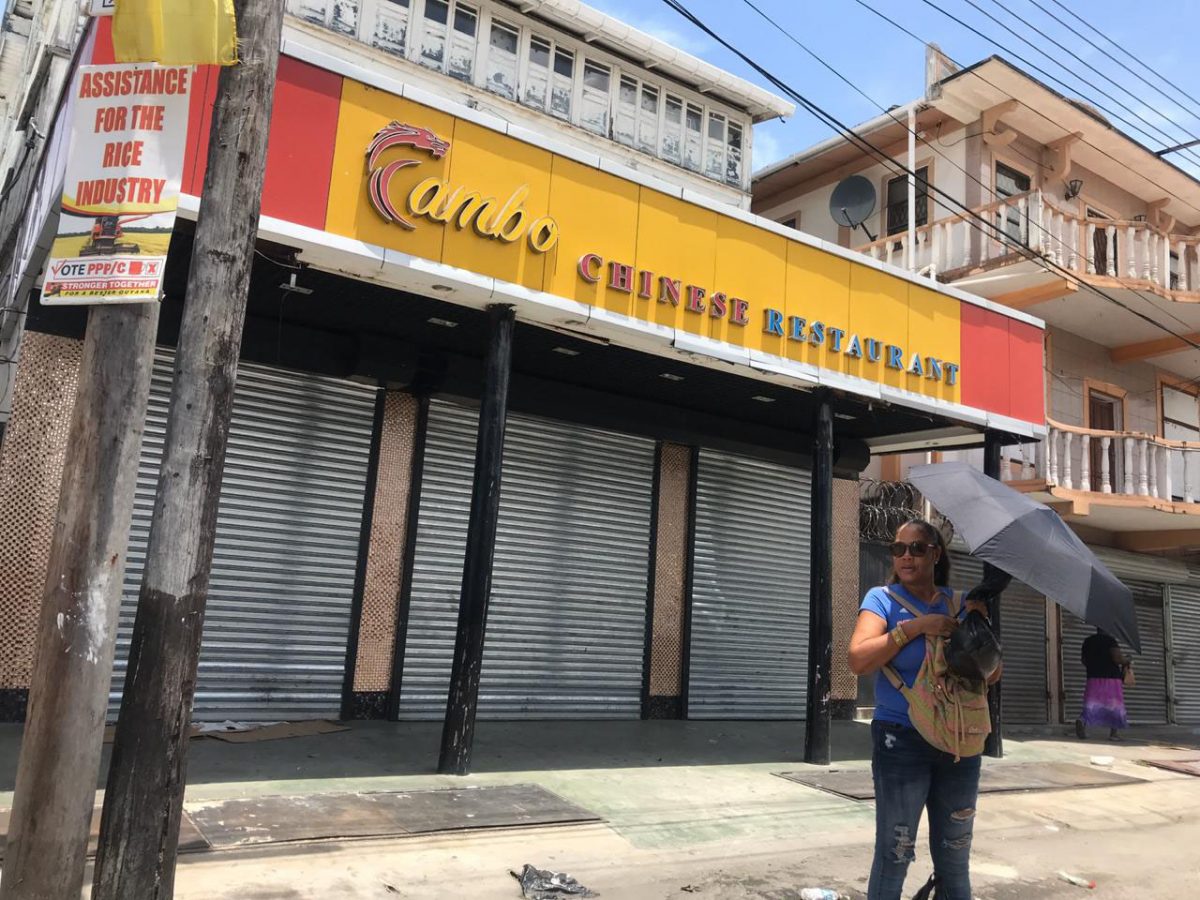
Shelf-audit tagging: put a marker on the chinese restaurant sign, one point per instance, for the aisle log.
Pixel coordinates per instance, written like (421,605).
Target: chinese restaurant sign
(122,185)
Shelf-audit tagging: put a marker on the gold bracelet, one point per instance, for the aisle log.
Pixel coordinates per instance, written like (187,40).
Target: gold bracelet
(899,636)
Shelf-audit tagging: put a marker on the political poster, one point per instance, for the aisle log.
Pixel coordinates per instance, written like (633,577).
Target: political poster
(122,184)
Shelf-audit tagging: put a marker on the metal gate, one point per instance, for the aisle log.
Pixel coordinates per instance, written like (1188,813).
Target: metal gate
(750,590)
(1146,702)
(567,617)
(1023,627)
(1185,652)
(287,544)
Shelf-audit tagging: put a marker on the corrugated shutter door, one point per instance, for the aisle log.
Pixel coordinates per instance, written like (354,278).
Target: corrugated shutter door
(1185,652)
(567,618)
(287,543)
(1023,623)
(750,589)
(1145,702)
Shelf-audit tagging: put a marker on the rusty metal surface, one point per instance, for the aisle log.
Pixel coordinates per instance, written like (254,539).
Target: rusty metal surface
(855,784)
(269,820)
(385,557)
(31,468)
(1182,766)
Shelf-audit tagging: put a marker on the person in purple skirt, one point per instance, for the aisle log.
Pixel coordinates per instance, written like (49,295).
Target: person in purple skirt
(1104,696)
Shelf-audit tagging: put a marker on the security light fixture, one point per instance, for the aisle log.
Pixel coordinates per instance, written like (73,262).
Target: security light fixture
(1074,186)
(671,376)
(443,323)
(565,351)
(762,398)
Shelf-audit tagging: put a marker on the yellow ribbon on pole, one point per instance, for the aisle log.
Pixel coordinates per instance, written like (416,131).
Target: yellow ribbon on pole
(175,32)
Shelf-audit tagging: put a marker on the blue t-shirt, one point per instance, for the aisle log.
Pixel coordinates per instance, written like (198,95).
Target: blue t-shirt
(890,705)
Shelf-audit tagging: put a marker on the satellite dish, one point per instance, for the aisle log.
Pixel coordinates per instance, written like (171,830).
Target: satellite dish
(852,202)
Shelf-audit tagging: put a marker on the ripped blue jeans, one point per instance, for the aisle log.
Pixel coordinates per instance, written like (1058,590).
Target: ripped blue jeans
(910,776)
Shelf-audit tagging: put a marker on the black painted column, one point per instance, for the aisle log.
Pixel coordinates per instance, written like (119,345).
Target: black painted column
(995,741)
(458,733)
(820,606)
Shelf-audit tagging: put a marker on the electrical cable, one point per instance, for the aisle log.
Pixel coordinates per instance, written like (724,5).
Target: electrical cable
(1125,52)
(883,157)
(1162,132)
(774,23)
(1166,191)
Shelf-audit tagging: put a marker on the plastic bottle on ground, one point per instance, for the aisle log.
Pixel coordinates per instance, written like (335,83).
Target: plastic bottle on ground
(820,894)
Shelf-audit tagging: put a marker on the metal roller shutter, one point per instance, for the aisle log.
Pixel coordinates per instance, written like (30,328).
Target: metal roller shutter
(567,617)
(1185,652)
(1146,702)
(750,590)
(1023,622)
(287,544)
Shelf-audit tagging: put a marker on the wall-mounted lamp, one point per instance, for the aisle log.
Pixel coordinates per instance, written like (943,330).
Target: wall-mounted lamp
(1074,186)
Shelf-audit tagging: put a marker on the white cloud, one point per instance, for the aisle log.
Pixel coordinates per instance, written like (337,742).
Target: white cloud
(766,150)
(688,41)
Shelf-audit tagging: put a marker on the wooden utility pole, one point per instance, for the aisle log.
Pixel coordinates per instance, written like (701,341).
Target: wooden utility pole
(143,801)
(820,601)
(458,730)
(64,730)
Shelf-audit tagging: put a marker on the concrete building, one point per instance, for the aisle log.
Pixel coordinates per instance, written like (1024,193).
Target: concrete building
(1037,202)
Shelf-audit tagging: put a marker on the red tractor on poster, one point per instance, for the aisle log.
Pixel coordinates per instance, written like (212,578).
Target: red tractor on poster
(105,238)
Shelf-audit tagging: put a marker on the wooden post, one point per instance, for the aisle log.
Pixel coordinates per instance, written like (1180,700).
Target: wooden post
(143,801)
(995,741)
(820,601)
(458,732)
(68,699)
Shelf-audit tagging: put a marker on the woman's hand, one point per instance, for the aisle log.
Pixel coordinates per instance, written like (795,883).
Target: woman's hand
(978,606)
(936,625)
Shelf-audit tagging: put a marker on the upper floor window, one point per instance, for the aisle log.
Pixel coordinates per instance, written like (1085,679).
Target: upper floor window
(897,201)
(637,119)
(549,77)
(502,59)
(448,37)
(391,26)
(593,112)
(1011,183)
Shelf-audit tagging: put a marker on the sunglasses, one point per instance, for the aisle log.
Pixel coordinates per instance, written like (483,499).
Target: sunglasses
(915,549)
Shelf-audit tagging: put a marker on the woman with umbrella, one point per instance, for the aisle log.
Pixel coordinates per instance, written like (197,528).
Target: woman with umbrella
(910,774)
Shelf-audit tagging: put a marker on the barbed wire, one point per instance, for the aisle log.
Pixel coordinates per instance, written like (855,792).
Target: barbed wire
(886,505)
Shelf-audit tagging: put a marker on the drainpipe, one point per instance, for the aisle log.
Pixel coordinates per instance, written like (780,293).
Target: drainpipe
(910,249)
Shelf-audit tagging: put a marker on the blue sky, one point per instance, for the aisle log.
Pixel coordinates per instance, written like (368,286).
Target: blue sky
(889,66)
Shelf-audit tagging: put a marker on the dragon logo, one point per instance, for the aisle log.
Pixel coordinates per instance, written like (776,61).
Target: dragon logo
(397,134)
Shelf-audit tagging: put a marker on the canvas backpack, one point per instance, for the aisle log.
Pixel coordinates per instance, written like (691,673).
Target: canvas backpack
(950,712)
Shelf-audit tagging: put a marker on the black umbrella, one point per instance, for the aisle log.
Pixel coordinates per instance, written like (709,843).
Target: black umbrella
(1030,542)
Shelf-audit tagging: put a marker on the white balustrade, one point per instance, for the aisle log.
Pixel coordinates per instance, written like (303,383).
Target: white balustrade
(1052,455)
(1105,465)
(1164,480)
(1189,480)
(1181,253)
(1128,487)
(1151,452)
(1110,237)
(1085,462)
(1066,460)
(1131,241)
(1089,247)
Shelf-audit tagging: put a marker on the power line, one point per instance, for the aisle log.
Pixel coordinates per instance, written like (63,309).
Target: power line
(975,178)
(1163,134)
(920,40)
(1122,50)
(860,141)
(1084,62)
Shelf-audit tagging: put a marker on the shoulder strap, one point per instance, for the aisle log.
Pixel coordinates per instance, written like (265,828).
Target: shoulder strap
(893,676)
(897,598)
(954,603)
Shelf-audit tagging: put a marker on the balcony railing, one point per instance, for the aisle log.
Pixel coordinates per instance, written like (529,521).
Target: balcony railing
(1121,463)
(1137,254)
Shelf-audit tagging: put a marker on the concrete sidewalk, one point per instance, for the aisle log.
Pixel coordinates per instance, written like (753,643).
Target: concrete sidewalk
(659,785)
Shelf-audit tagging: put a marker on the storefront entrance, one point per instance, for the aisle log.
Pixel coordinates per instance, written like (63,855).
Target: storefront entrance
(287,544)
(566,623)
(750,590)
